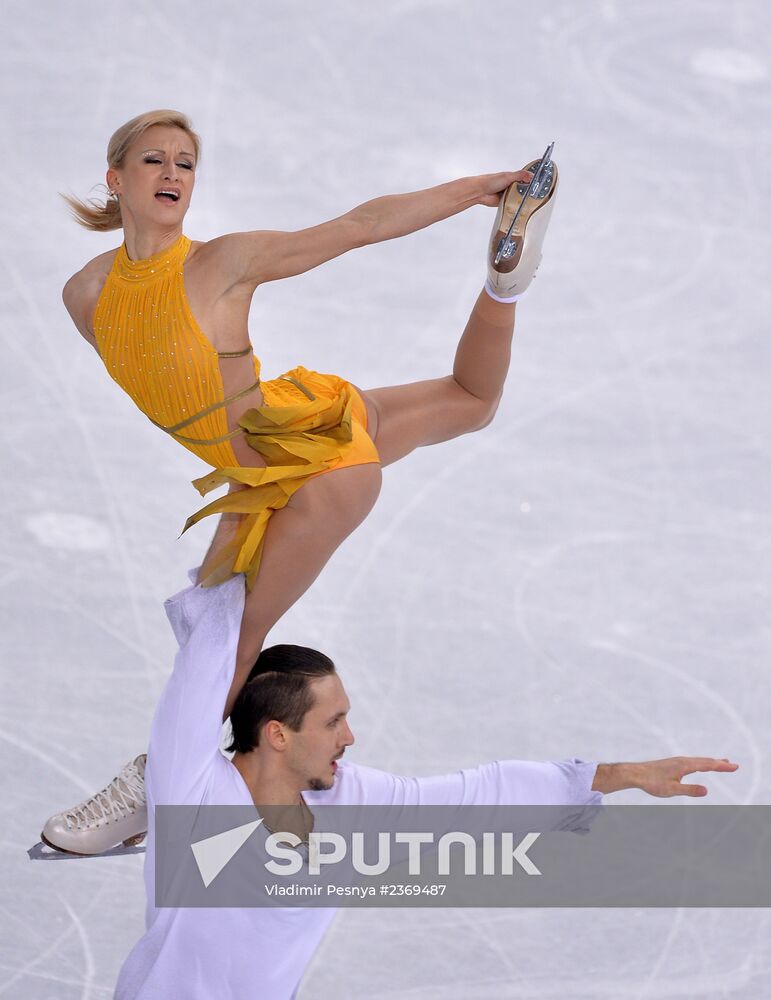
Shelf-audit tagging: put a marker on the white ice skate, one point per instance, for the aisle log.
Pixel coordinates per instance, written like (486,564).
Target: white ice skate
(116,815)
(520,226)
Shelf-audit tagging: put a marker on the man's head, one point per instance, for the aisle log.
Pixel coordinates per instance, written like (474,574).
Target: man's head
(293,709)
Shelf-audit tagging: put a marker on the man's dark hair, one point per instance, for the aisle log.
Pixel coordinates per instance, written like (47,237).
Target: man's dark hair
(278,687)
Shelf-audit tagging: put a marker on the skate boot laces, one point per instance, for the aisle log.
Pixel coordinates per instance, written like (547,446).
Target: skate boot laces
(119,799)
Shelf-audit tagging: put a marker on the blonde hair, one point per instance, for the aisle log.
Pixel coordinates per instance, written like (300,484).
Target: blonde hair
(102,216)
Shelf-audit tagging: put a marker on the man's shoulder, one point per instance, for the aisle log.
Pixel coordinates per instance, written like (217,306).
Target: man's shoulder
(355,784)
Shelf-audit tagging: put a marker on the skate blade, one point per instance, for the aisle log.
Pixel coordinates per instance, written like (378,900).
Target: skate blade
(46,851)
(508,252)
(133,841)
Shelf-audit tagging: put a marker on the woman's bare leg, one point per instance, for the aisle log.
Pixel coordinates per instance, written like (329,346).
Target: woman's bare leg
(299,540)
(404,417)
(302,536)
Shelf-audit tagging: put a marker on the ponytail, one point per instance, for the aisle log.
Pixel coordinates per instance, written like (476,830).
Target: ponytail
(99,216)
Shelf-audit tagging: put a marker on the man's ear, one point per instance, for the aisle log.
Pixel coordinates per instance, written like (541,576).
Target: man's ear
(275,734)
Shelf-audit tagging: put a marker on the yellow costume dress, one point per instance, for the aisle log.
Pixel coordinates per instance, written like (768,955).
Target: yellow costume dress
(308,424)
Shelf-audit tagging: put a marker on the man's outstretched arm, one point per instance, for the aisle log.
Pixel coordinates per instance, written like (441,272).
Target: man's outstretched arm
(525,782)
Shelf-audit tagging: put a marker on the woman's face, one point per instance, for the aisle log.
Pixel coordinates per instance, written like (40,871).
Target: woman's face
(156,181)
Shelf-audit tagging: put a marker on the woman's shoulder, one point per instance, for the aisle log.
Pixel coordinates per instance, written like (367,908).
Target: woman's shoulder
(215,266)
(81,291)
(97,267)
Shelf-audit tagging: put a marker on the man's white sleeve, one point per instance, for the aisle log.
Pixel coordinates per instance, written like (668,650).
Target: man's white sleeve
(502,782)
(187,728)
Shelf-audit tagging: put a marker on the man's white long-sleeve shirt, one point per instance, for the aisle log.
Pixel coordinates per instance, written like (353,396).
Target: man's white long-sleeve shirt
(244,953)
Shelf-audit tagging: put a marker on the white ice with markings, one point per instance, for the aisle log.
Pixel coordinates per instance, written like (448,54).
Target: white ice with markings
(588,576)
(67,531)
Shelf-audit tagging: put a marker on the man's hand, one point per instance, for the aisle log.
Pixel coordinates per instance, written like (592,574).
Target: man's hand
(661,778)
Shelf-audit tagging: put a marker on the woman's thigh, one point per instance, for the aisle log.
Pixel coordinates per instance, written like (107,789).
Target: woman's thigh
(299,540)
(401,418)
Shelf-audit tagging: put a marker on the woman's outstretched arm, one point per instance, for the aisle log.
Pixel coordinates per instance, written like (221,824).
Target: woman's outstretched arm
(256,257)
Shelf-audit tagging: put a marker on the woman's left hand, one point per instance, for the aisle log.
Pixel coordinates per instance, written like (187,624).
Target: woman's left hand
(493,185)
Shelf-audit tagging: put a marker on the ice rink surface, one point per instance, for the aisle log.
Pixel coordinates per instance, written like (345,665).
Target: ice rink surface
(588,576)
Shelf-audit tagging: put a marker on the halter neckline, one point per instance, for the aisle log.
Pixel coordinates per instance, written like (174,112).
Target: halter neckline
(154,266)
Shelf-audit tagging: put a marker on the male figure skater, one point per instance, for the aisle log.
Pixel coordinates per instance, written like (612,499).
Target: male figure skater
(290,729)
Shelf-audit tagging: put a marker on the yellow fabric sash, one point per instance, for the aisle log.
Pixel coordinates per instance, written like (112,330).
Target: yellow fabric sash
(296,442)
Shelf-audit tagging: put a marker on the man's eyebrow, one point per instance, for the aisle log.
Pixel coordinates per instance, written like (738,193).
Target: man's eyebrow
(339,715)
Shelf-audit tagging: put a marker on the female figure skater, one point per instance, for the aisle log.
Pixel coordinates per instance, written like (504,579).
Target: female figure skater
(301,454)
